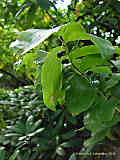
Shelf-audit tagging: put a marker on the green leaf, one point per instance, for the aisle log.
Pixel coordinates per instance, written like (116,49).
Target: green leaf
(28,64)
(34,155)
(96,138)
(112,81)
(19,128)
(6,102)
(70,118)
(36,125)
(2,153)
(100,115)
(29,123)
(103,109)
(105,46)
(25,155)
(31,38)
(68,135)
(36,132)
(84,51)
(78,96)
(59,125)
(51,79)
(88,62)
(91,124)
(103,69)
(72,143)
(60,151)
(12,135)
(14,155)
(117,49)
(116,63)
(115,92)
(73,31)
(72,157)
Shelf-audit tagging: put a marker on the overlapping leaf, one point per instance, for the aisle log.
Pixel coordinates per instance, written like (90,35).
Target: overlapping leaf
(80,95)
(100,114)
(84,51)
(73,31)
(51,79)
(96,138)
(88,62)
(31,38)
(106,48)
(99,129)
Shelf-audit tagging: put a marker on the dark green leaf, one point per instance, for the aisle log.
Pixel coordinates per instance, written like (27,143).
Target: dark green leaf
(68,135)
(2,153)
(117,64)
(78,96)
(72,143)
(13,157)
(115,92)
(72,157)
(112,81)
(100,115)
(70,118)
(96,138)
(59,125)
(104,109)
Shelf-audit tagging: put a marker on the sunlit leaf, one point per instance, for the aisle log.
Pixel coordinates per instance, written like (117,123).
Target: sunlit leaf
(88,62)
(73,31)
(106,48)
(83,51)
(51,79)
(103,69)
(31,38)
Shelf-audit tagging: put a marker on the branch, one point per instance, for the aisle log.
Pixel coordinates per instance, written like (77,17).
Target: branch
(14,77)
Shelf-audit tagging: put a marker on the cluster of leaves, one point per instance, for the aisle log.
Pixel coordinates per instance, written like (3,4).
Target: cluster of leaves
(102,106)
(17,16)
(92,69)
(98,17)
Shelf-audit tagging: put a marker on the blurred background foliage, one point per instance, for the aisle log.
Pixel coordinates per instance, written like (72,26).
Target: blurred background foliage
(25,123)
(98,17)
